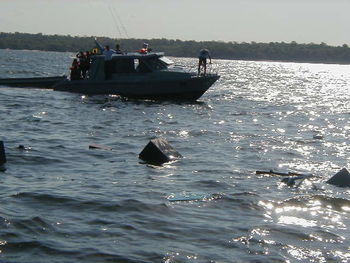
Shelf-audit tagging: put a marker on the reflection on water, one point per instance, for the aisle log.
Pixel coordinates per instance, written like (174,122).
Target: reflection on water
(312,225)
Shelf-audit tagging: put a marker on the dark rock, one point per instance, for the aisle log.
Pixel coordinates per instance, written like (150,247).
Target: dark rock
(159,151)
(2,153)
(341,178)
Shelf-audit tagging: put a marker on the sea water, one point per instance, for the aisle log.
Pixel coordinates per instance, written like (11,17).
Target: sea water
(63,202)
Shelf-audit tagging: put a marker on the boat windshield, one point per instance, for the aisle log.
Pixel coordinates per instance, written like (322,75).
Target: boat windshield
(156,63)
(140,65)
(166,61)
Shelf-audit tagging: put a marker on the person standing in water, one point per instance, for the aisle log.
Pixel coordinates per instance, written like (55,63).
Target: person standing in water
(204,54)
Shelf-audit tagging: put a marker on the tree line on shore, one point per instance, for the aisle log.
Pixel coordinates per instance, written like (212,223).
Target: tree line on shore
(273,51)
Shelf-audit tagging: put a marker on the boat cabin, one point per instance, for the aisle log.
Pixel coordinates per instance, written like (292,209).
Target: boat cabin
(126,64)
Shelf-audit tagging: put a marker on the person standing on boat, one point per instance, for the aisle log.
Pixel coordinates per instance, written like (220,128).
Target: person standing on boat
(84,64)
(145,49)
(107,52)
(80,58)
(117,49)
(74,70)
(204,54)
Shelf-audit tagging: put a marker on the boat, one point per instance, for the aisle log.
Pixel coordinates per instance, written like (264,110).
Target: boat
(144,75)
(35,82)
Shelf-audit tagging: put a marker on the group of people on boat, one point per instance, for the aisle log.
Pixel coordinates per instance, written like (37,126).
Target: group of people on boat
(108,53)
(80,65)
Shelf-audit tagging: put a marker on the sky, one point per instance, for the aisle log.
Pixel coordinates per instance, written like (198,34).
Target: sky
(303,21)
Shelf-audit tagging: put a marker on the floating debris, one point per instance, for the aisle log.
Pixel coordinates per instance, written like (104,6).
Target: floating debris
(271,172)
(188,197)
(290,181)
(21,147)
(102,147)
(318,136)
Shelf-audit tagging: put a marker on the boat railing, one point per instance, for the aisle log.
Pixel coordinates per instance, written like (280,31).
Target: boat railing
(212,69)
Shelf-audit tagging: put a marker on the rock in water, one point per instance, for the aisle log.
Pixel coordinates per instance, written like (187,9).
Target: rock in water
(159,151)
(341,178)
(2,153)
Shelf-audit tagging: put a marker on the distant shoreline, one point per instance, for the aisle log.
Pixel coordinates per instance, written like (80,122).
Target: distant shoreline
(273,51)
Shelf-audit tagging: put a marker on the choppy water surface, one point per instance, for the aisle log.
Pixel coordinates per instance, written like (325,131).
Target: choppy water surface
(61,202)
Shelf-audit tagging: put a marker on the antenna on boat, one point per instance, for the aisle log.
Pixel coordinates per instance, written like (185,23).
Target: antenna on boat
(121,23)
(114,20)
(117,18)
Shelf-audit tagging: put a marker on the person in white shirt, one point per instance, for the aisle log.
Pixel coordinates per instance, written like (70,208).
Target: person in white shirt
(107,52)
(204,54)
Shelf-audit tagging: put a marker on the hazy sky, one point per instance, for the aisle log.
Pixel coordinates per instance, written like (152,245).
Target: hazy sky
(303,21)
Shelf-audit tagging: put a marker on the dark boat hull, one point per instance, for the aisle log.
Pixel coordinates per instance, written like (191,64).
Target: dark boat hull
(37,82)
(186,89)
